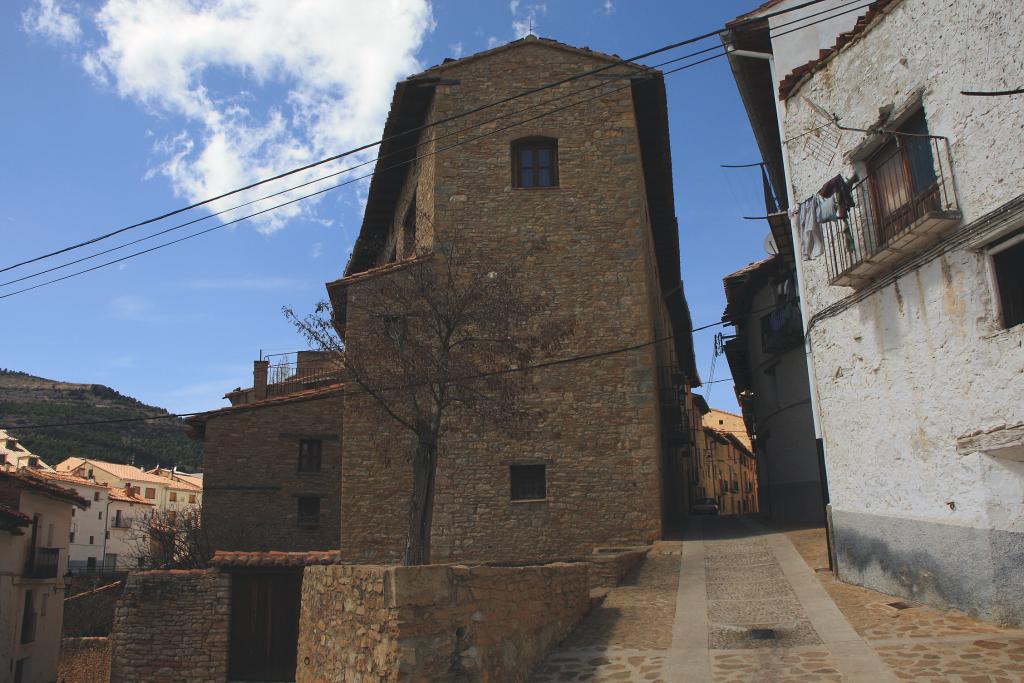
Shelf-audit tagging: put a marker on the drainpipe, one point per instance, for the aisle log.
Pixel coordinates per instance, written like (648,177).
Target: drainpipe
(819,440)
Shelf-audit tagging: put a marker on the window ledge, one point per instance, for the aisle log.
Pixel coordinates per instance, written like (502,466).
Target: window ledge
(529,500)
(536,189)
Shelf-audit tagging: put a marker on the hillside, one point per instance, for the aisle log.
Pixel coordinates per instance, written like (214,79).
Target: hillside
(26,399)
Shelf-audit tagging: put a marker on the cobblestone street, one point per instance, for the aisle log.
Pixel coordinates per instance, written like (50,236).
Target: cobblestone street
(738,602)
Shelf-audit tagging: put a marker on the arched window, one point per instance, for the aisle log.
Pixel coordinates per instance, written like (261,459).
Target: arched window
(535,162)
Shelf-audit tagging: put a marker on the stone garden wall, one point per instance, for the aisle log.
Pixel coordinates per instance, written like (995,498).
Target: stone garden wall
(172,626)
(435,622)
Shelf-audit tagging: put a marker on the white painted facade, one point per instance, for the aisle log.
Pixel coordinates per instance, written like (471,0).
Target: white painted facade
(918,364)
(32,645)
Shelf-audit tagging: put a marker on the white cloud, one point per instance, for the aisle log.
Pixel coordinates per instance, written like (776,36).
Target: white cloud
(456,49)
(608,6)
(493,41)
(317,250)
(523,23)
(50,21)
(329,66)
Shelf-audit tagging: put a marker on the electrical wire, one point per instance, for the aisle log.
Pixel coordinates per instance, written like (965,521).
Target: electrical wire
(628,61)
(342,184)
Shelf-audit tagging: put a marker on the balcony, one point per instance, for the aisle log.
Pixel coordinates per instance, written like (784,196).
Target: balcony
(293,372)
(44,563)
(782,328)
(903,206)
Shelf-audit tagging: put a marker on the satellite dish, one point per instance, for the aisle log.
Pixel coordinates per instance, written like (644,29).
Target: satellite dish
(769,246)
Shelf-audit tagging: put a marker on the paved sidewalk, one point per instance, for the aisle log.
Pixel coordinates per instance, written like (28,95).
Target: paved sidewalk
(739,602)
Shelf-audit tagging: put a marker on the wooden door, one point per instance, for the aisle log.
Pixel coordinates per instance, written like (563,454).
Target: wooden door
(264,625)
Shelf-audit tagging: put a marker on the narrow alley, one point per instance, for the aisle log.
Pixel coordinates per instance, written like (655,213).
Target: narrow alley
(736,601)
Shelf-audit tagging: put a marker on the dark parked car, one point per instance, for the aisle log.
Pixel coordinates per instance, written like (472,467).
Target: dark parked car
(705,506)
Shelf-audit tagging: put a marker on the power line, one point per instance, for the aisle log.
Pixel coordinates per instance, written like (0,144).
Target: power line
(628,61)
(342,184)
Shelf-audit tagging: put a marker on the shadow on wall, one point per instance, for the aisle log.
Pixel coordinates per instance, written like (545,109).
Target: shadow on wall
(930,563)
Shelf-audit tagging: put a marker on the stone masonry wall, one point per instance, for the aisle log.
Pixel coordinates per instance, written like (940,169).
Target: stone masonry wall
(435,622)
(923,360)
(250,463)
(172,626)
(600,437)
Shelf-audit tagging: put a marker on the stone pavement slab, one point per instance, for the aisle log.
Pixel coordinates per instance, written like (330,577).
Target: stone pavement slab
(737,601)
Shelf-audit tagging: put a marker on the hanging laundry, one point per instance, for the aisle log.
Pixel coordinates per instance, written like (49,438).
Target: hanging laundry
(831,203)
(839,189)
(812,243)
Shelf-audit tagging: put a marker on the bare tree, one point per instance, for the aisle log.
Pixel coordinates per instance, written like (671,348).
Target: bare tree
(442,337)
(171,539)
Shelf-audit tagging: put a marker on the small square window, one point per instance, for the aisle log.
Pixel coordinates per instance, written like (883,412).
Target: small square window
(92,540)
(309,455)
(150,493)
(173,497)
(528,482)
(1008,267)
(191,497)
(535,163)
(309,511)
(96,495)
(100,514)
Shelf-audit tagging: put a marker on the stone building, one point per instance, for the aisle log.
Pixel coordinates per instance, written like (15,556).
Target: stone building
(595,182)
(726,467)
(769,374)
(913,299)
(278,458)
(35,523)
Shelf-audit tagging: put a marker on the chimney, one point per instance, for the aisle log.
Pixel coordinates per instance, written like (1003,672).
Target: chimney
(260,368)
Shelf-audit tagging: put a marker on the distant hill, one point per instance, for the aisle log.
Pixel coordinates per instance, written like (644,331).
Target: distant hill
(26,399)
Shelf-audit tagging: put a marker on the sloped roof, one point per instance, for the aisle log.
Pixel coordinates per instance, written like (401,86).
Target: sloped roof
(68,478)
(198,422)
(409,107)
(732,427)
(30,482)
(795,78)
(175,481)
(121,495)
(11,520)
(116,469)
(530,40)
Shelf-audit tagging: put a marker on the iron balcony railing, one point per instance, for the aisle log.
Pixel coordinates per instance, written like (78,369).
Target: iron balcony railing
(289,374)
(782,328)
(43,563)
(906,199)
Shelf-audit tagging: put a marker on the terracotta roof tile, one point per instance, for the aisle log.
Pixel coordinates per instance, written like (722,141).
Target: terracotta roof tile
(27,480)
(795,78)
(117,469)
(275,558)
(11,518)
(307,394)
(379,270)
(121,495)
(68,478)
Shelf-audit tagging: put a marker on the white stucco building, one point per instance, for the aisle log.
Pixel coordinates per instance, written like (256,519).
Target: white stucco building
(88,533)
(913,310)
(35,523)
(166,489)
(128,512)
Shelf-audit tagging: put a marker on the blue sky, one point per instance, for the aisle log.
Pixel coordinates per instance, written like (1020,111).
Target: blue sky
(122,109)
